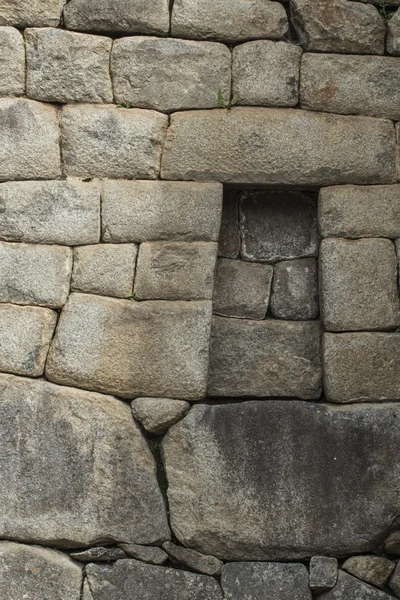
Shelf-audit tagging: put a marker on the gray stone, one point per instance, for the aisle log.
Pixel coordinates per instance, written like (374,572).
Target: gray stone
(266,146)
(67,67)
(338,26)
(87,594)
(158,414)
(184,74)
(392,544)
(25,335)
(31,13)
(265,358)
(283,480)
(394,582)
(242,289)
(358,281)
(257,581)
(375,570)
(266,73)
(75,469)
(142,211)
(35,274)
(229,238)
(295,290)
(149,554)
(107,141)
(393,35)
(29,140)
(12,62)
(50,212)
(138,581)
(209,565)
(323,573)
(362,367)
(99,554)
(132,349)
(348,587)
(175,271)
(106,269)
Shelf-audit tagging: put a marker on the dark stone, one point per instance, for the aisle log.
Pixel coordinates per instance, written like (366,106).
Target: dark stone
(323,573)
(98,554)
(229,239)
(350,588)
(295,290)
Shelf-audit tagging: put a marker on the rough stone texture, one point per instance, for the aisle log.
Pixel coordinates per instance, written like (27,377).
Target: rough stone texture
(348,587)
(394,582)
(137,581)
(29,140)
(37,573)
(229,20)
(229,238)
(375,570)
(393,35)
(242,289)
(106,141)
(358,284)
(209,565)
(87,594)
(255,581)
(98,554)
(323,573)
(131,16)
(35,274)
(158,414)
(360,211)
(50,212)
(12,62)
(132,349)
(142,211)
(362,367)
(266,146)
(295,290)
(175,271)
(266,73)
(184,74)
(106,269)
(149,554)
(75,469)
(255,466)
(25,335)
(338,26)
(265,358)
(67,67)
(31,13)
(392,544)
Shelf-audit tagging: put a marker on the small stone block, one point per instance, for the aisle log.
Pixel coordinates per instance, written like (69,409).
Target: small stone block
(392,544)
(98,554)
(158,414)
(12,62)
(209,565)
(323,573)
(295,290)
(375,570)
(149,554)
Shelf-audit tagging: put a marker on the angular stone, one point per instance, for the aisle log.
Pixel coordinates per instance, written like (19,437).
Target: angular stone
(75,468)
(184,74)
(266,73)
(50,212)
(25,335)
(142,211)
(87,594)
(323,573)
(209,565)
(35,274)
(265,358)
(31,13)
(132,349)
(348,587)
(98,554)
(12,62)
(149,554)
(338,26)
(229,238)
(375,570)
(233,456)
(358,281)
(67,67)
(107,141)
(341,149)
(392,544)
(295,290)
(29,140)
(394,582)
(158,414)
(393,35)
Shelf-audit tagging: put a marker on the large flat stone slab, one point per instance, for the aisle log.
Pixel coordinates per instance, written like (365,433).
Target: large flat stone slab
(12,63)
(264,581)
(31,13)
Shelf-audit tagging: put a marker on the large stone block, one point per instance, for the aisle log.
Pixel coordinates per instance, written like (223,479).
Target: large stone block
(283,480)
(350,587)
(75,469)
(295,290)
(264,581)
(132,349)
(393,35)
(67,67)
(31,13)
(12,62)
(267,146)
(106,141)
(184,74)
(265,358)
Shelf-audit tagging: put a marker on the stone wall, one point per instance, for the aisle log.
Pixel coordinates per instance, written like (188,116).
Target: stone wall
(199,300)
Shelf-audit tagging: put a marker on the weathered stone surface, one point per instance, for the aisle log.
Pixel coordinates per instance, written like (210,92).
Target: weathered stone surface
(375,570)
(266,73)
(106,269)
(229,238)
(142,211)
(295,290)
(106,141)
(323,573)
(87,594)
(175,271)
(265,358)
(67,67)
(394,582)
(392,544)
(362,367)
(184,74)
(132,349)
(338,26)
(25,335)
(348,587)
(35,274)
(266,146)
(133,16)
(257,581)
(31,13)
(393,35)
(56,212)
(29,140)
(358,284)
(98,554)
(149,554)
(158,414)
(209,565)
(75,469)
(12,62)
(255,466)
(37,573)
(229,21)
